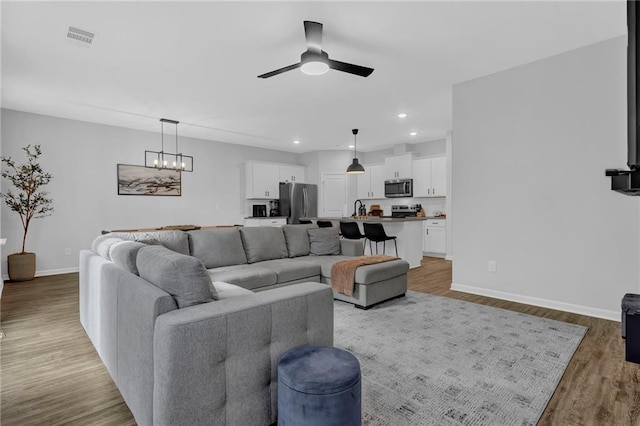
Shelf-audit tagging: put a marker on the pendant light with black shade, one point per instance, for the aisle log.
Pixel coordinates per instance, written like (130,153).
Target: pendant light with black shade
(355,167)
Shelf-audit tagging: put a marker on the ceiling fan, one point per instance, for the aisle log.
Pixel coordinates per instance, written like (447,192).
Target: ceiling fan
(315,61)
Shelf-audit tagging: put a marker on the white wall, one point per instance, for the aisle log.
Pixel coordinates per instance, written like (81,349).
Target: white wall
(419,149)
(529,191)
(449,201)
(82,158)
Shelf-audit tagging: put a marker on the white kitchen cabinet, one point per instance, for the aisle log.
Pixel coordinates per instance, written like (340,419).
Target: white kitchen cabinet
(398,166)
(435,237)
(430,177)
(274,221)
(371,182)
(438,177)
(291,173)
(262,180)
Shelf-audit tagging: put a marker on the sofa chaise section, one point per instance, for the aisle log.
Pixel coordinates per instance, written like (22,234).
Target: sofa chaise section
(210,363)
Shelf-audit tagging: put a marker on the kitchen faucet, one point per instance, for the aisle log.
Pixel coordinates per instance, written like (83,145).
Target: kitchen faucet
(355,210)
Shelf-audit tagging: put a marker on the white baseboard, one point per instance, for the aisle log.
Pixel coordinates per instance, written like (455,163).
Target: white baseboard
(447,257)
(431,254)
(535,301)
(47,272)
(58,271)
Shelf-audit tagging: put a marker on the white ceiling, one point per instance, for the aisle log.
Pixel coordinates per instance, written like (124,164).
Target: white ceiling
(197,62)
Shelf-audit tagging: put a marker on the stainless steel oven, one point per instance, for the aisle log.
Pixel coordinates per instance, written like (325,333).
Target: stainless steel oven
(397,188)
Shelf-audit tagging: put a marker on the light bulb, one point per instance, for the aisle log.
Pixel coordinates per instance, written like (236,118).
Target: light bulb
(164,163)
(155,162)
(183,167)
(315,68)
(174,164)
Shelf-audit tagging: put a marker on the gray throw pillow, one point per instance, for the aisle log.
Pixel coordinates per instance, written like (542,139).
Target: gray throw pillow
(183,277)
(103,244)
(177,241)
(297,239)
(124,254)
(323,241)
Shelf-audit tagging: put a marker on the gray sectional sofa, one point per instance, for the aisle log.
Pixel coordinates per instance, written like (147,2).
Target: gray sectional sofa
(191,325)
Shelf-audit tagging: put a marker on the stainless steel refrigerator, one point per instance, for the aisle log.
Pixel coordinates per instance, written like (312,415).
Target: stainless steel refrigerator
(298,200)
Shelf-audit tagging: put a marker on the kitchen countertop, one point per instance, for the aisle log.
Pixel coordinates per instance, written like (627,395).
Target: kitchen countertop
(373,218)
(266,217)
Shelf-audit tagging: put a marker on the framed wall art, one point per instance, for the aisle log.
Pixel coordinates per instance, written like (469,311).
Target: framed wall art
(140,180)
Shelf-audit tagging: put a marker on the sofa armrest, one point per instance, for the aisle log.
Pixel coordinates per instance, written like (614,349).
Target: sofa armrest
(118,311)
(351,247)
(214,363)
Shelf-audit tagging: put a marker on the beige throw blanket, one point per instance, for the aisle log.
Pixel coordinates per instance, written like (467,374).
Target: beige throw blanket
(343,273)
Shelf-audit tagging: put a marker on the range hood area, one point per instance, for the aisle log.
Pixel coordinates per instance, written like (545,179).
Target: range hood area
(628,181)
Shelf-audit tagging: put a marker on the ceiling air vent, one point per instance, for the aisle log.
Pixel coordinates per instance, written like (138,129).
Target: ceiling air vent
(80,37)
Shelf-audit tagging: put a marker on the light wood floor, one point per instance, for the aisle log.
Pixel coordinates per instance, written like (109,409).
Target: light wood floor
(50,374)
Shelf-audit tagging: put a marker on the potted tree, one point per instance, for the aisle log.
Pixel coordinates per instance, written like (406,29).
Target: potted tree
(29,202)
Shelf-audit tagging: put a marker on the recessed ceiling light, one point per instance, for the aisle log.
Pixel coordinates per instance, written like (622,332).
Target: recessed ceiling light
(413,133)
(296,142)
(402,115)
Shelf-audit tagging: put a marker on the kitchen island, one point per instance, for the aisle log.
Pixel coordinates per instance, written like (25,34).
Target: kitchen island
(408,232)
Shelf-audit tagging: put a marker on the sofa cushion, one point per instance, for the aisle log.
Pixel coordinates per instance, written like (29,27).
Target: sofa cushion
(297,239)
(325,262)
(263,243)
(183,277)
(246,276)
(124,254)
(324,241)
(370,274)
(177,241)
(227,291)
(217,247)
(102,245)
(367,274)
(290,270)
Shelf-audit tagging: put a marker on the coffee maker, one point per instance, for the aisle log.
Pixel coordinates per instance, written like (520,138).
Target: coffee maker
(274,208)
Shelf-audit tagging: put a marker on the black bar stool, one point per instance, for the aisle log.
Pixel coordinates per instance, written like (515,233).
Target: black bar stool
(324,223)
(351,231)
(375,232)
(305,222)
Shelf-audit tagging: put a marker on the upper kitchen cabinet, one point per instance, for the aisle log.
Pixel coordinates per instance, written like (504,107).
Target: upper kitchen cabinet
(371,182)
(439,176)
(430,177)
(290,173)
(398,167)
(262,180)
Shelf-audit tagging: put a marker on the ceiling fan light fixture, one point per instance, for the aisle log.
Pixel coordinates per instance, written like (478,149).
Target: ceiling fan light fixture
(314,63)
(315,68)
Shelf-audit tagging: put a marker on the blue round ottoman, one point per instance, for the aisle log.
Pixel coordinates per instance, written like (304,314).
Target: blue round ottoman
(319,385)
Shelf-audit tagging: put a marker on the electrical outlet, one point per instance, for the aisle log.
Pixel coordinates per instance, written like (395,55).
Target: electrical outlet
(492,266)
(67,251)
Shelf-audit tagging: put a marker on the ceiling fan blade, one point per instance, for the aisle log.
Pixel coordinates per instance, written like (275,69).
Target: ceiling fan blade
(313,34)
(280,71)
(350,68)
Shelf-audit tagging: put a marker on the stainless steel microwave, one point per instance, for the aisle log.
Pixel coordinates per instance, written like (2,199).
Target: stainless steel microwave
(397,188)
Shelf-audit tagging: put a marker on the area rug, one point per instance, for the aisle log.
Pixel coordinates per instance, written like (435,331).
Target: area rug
(430,360)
